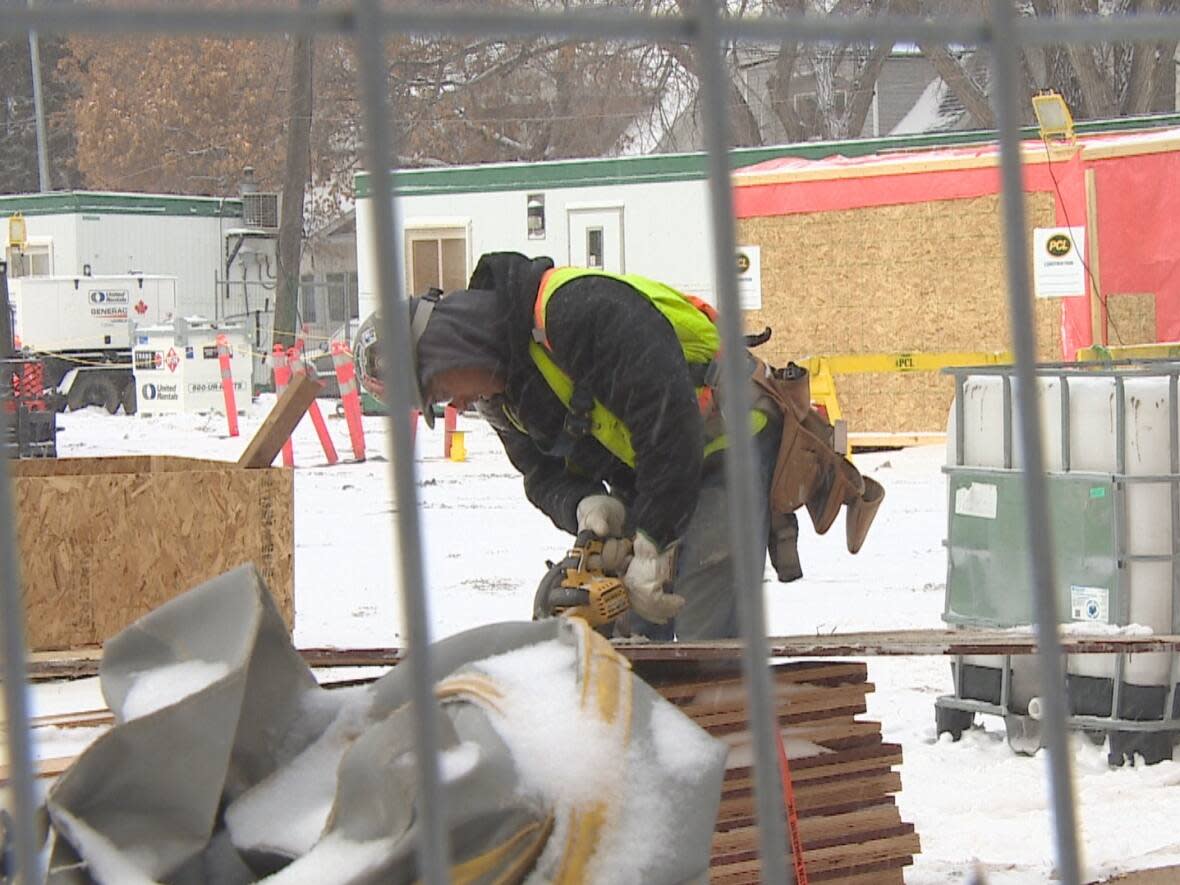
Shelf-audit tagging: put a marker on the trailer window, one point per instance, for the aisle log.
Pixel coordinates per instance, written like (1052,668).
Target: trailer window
(33,260)
(436,257)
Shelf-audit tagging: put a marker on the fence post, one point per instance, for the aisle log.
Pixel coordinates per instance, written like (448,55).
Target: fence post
(349,398)
(298,367)
(282,376)
(227,385)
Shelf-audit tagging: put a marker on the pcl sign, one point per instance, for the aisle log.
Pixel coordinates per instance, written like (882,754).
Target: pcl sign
(1059,264)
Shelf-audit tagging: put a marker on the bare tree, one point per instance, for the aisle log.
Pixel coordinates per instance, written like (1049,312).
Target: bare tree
(296,171)
(1098,82)
(18,135)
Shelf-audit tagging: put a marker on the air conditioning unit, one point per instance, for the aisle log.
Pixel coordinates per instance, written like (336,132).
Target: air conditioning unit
(260,211)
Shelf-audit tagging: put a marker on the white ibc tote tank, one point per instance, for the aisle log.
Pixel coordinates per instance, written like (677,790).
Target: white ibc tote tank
(983,446)
(1093,436)
(1147,585)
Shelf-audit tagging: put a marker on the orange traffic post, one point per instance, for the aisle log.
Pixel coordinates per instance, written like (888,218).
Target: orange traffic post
(349,397)
(450,421)
(227,385)
(298,367)
(282,376)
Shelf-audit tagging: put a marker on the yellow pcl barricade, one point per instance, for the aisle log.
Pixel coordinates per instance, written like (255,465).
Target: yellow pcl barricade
(823,368)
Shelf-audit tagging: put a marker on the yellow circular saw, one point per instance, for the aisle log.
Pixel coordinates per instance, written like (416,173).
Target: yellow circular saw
(578,586)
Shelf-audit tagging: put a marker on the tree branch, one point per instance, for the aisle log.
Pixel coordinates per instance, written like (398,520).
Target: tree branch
(974,99)
(864,87)
(1140,95)
(1097,92)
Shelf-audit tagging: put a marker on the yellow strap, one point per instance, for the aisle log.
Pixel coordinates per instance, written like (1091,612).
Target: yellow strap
(696,332)
(605,426)
(758,420)
(511,859)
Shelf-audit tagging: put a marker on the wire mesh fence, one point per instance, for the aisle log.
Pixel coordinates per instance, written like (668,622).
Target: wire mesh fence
(708,29)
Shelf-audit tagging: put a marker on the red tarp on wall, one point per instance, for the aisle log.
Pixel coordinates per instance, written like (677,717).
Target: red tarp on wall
(1138,208)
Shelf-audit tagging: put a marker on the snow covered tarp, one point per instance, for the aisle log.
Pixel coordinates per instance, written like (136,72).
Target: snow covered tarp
(229,763)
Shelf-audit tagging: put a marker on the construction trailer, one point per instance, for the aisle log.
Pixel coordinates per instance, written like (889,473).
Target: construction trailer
(221,251)
(644,215)
(903,252)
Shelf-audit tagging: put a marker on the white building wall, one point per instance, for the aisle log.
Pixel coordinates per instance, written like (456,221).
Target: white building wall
(666,232)
(190,249)
(61,232)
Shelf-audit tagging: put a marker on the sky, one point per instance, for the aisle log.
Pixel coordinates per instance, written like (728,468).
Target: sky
(976,805)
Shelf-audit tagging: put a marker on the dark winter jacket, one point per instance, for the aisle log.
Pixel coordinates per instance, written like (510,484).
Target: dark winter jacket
(607,336)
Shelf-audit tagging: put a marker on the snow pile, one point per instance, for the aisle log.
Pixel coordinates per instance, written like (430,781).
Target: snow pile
(561,750)
(570,759)
(107,863)
(287,812)
(335,859)
(1088,628)
(162,687)
(641,837)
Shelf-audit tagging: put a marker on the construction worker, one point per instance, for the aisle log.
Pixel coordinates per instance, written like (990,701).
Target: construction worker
(597,387)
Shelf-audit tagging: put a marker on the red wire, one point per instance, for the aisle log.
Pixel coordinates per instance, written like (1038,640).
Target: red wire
(784,768)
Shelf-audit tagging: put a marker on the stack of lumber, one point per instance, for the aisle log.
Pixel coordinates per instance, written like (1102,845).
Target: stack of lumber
(843,774)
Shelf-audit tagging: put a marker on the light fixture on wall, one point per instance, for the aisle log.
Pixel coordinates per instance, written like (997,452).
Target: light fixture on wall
(1053,116)
(17,233)
(536,216)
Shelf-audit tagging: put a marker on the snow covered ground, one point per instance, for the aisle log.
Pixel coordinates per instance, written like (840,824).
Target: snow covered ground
(976,805)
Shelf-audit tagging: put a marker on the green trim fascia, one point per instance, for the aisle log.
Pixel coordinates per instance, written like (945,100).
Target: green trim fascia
(654,168)
(91,202)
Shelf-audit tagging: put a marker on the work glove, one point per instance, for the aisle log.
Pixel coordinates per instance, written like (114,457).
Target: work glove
(646,578)
(602,515)
(615,557)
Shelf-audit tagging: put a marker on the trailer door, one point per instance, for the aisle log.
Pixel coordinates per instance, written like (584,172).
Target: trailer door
(596,237)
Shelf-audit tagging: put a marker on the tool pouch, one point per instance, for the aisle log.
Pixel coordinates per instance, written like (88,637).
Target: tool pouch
(809,471)
(783,546)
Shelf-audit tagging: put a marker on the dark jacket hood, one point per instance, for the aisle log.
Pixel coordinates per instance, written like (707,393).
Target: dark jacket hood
(467,330)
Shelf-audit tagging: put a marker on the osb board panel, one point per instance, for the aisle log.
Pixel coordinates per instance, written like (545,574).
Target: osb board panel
(923,277)
(1131,319)
(102,545)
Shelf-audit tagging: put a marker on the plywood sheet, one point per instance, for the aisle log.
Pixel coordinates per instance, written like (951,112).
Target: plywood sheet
(103,541)
(926,277)
(1131,319)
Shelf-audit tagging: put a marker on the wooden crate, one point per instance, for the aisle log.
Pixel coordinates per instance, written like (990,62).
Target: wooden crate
(103,541)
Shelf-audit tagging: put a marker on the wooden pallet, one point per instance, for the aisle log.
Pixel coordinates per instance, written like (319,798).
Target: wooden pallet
(844,774)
